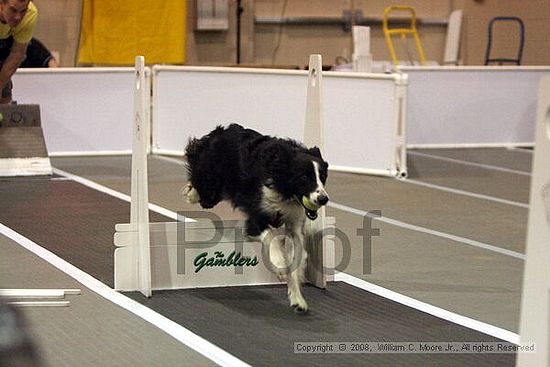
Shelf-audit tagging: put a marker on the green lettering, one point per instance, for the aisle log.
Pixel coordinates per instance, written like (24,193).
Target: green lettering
(199,261)
(219,259)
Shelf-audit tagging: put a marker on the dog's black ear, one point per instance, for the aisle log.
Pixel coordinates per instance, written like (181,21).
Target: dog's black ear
(315,151)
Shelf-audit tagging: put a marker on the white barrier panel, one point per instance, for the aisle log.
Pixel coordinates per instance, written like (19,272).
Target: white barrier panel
(472,106)
(84,110)
(535,306)
(176,263)
(363,113)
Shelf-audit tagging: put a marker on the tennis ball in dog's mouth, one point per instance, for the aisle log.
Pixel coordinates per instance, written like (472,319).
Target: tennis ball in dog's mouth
(309,205)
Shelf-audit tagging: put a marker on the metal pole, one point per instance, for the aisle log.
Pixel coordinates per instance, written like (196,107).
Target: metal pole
(239,15)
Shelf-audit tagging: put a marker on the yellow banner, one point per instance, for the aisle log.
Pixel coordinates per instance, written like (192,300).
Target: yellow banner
(115,32)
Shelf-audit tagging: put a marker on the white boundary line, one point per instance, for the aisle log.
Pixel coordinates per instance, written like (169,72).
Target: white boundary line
(486,166)
(84,153)
(415,228)
(180,333)
(429,309)
(39,303)
(470,145)
(466,193)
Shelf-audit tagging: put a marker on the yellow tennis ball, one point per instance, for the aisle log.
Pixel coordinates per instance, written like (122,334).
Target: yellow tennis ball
(309,205)
(1,117)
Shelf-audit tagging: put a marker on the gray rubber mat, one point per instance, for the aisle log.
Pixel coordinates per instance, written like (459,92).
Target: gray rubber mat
(256,325)
(71,220)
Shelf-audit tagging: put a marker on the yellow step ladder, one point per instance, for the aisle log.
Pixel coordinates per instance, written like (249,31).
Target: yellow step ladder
(403,32)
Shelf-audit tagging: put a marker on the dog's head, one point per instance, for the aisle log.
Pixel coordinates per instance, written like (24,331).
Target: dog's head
(309,177)
(300,174)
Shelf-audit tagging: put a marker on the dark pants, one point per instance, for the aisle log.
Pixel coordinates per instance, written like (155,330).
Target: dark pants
(5,49)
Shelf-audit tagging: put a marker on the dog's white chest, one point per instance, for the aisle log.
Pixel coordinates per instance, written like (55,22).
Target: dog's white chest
(272,202)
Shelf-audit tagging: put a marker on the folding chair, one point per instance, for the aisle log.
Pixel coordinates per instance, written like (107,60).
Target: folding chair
(502,60)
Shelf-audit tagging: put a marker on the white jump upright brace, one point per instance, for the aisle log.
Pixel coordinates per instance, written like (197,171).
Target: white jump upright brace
(139,209)
(205,253)
(314,135)
(133,263)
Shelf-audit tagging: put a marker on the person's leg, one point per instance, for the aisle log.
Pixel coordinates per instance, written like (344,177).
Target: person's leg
(5,96)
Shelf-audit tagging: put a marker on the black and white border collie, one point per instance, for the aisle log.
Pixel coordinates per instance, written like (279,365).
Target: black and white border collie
(274,182)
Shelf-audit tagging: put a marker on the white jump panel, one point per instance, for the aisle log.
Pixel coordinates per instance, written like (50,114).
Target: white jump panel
(472,106)
(184,255)
(84,110)
(363,113)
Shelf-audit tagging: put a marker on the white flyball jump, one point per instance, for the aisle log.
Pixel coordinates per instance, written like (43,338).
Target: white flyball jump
(535,305)
(205,253)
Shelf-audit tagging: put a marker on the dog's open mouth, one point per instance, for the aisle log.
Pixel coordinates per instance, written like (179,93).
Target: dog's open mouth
(311,213)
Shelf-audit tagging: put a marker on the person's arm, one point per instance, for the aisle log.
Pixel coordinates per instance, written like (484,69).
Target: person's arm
(15,58)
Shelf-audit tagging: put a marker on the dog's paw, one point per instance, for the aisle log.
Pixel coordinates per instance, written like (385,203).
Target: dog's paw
(191,194)
(298,303)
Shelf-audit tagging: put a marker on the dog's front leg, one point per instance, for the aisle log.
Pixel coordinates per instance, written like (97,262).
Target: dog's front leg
(288,259)
(297,257)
